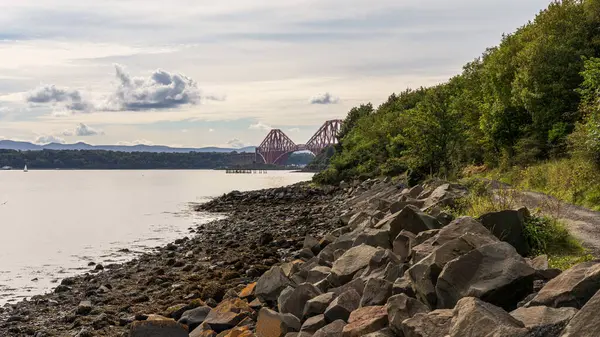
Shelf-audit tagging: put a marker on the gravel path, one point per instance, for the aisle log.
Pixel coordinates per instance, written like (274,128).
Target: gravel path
(583,223)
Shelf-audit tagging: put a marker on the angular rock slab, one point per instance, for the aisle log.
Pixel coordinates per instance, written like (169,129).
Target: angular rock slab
(366,320)
(454,230)
(227,314)
(333,329)
(424,274)
(401,307)
(342,306)
(313,324)
(585,322)
(411,219)
(572,288)
(271,284)
(353,260)
(435,323)
(157,328)
(508,226)
(541,316)
(193,318)
(317,305)
(376,292)
(495,273)
(274,324)
(294,302)
(474,318)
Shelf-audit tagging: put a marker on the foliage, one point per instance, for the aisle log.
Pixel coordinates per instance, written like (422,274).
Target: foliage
(550,236)
(94,159)
(517,104)
(573,180)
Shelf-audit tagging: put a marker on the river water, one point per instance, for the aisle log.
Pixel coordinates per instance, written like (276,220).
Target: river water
(53,223)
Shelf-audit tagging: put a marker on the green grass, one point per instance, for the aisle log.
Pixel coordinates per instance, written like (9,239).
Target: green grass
(576,181)
(545,235)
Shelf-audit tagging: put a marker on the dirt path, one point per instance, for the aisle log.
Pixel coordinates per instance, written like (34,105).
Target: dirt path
(583,223)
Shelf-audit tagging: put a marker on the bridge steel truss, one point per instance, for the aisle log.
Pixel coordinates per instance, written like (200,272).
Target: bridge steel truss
(277,146)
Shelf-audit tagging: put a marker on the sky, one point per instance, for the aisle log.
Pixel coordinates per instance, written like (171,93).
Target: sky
(194,73)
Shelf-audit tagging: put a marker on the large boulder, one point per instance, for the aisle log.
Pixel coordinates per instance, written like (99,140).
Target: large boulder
(317,274)
(410,218)
(374,237)
(333,329)
(495,273)
(227,314)
(403,243)
(475,318)
(293,302)
(158,328)
(401,307)
(313,324)
(444,195)
(508,225)
(194,317)
(585,322)
(359,220)
(342,306)
(274,324)
(365,320)
(353,260)
(376,292)
(317,305)
(572,288)
(536,317)
(424,274)
(431,324)
(454,230)
(271,284)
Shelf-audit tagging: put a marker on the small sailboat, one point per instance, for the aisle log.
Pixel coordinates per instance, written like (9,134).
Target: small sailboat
(25,168)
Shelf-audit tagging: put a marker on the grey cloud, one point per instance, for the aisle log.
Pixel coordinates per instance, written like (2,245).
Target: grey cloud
(162,90)
(53,94)
(46,139)
(325,98)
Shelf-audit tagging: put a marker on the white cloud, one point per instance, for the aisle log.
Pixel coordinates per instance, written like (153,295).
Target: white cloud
(46,139)
(185,130)
(211,130)
(294,130)
(235,143)
(52,94)
(260,126)
(325,98)
(82,130)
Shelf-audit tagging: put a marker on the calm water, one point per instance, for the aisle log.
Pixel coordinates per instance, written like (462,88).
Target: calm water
(53,223)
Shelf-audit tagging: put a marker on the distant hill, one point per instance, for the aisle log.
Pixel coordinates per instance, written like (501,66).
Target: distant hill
(27,146)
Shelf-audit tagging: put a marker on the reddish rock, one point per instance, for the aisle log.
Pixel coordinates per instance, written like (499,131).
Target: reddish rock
(227,314)
(366,320)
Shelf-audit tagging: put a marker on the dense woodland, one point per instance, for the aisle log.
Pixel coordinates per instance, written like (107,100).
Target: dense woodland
(100,160)
(533,98)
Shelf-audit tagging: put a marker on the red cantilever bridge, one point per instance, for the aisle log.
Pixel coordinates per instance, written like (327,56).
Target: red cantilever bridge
(277,147)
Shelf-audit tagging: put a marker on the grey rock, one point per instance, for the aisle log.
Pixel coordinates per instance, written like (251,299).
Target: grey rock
(401,307)
(313,324)
(318,274)
(376,292)
(495,273)
(374,237)
(410,218)
(424,274)
(474,318)
(573,288)
(194,317)
(540,316)
(353,260)
(508,226)
(294,301)
(158,328)
(333,329)
(317,305)
(341,307)
(434,323)
(585,322)
(271,284)
(403,244)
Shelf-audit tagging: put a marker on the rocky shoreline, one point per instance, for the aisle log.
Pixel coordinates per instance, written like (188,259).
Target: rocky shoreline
(370,258)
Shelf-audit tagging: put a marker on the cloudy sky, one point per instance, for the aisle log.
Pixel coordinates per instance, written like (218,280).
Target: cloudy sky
(203,73)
